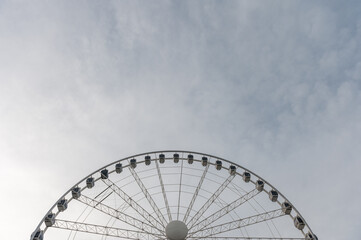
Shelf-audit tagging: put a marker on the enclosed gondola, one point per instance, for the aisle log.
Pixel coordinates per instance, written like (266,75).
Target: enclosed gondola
(133,163)
(104,174)
(118,168)
(161,158)
(176,157)
(204,161)
(62,205)
(246,176)
(90,182)
(75,192)
(190,158)
(147,160)
(218,165)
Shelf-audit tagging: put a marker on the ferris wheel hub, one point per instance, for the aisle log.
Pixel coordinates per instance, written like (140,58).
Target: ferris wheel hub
(176,230)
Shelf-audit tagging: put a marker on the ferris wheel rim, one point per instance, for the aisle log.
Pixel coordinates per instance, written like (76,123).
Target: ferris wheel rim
(171,151)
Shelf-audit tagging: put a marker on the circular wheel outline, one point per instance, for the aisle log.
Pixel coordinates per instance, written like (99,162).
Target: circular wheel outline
(298,214)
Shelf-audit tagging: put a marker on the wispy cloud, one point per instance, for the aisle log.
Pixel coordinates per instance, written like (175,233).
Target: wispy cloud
(274,86)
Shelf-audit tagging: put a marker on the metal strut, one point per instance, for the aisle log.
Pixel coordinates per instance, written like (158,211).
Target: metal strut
(210,201)
(163,191)
(149,197)
(102,230)
(146,215)
(225,210)
(195,194)
(229,226)
(119,215)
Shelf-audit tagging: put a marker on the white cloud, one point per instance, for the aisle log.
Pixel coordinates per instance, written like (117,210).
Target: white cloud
(276,83)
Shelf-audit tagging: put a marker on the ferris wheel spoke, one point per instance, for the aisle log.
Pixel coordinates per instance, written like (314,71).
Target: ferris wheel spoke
(209,202)
(241,223)
(119,215)
(148,197)
(196,193)
(224,211)
(133,204)
(163,191)
(180,189)
(102,230)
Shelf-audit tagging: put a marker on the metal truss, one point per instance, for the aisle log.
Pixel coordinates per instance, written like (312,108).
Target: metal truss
(102,230)
(119,215)
(146,215)
(195,193)
(163,191)
(149,197)
(229,226)
(225,210)
(145,210)
(180,189)
(210,201)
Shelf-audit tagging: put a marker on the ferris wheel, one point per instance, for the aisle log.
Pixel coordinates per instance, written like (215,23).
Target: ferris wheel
(173,195)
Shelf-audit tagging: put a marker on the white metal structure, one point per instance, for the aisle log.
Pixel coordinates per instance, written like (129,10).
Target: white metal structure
(173,195)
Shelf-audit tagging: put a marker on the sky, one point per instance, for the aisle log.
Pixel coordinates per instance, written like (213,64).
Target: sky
(274,86)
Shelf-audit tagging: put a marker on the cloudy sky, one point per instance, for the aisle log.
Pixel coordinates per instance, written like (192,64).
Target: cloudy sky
(272,85)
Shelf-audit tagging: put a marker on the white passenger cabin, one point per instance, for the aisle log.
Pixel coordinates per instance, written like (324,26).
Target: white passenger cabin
(259,185)
(62,205)
(147,160)
(190,158)
(39,235)
(246,176)
(232,170)
(176,157)
(273,195)
(118,168)
(299,223)
(161,158)
(75,192)
(133,163)
(49,219)
(90,182)
(204,161)
(104,174)
(218,165)
(310,236)
(286,208)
